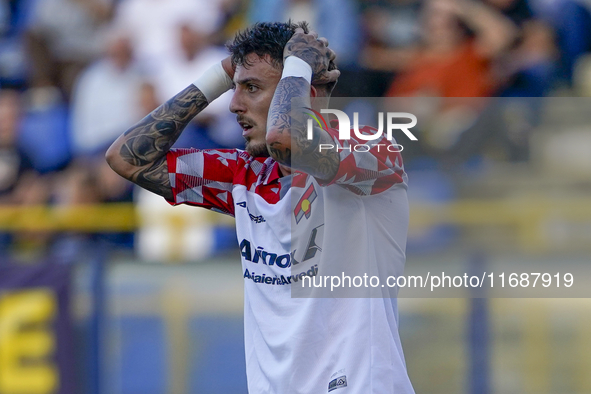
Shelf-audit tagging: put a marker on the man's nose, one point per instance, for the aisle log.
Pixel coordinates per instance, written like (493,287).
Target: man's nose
(236,105)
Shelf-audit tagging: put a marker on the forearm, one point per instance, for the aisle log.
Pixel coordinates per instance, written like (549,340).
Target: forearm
(152,137)
(494,31)
(282,127)
(139,154)
(307,59)
(287,134)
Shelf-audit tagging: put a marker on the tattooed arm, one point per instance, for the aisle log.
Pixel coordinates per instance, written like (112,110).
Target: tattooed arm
(287,135)
(286,127)
(139,155)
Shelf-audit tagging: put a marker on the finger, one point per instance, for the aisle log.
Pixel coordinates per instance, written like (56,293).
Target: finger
(323,40)
(333,75)
(228,66)
(332,55)
(326,77)
(313,33)
(298,30)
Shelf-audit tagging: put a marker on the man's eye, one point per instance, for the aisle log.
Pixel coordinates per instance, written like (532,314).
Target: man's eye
(252,88)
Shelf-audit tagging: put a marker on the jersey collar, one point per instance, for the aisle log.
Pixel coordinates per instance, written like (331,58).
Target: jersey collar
(274,175)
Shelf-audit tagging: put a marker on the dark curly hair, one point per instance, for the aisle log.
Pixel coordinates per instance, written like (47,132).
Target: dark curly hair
(267,38)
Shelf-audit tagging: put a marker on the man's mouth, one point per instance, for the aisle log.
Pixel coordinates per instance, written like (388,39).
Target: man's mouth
(246,127)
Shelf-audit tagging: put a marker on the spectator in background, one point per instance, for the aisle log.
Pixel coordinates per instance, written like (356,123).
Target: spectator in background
(13,18)
(106,98)
(459,41)
(13,162)
(20,184)
(528,68)
(44,135)
(392,30)
(153,25)
(394,23)
(191,54)
(62,38)
(561,32)
(571,20)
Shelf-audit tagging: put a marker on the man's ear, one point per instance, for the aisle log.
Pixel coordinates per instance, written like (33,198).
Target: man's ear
(313,91)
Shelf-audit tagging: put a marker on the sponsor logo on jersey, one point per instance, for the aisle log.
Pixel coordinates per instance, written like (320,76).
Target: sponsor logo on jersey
(337,383)
(304,206)
(280,279)
(254,218)
(259,254)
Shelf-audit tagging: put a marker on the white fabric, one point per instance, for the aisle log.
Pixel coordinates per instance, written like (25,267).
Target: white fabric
(300,345)
(214,82)
(295,67)
(105,103)
(70,28)
(154,25)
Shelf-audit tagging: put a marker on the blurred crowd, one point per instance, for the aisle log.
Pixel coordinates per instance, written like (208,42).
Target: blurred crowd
(75,74)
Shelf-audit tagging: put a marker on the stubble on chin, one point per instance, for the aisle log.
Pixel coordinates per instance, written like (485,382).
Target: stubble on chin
(257,149)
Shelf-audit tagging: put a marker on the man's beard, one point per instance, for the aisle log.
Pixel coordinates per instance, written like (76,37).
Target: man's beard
(257,149)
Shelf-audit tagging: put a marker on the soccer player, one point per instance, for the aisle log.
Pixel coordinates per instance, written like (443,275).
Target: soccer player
(297,210)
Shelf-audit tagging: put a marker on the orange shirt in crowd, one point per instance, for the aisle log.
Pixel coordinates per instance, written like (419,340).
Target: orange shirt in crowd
(461,73)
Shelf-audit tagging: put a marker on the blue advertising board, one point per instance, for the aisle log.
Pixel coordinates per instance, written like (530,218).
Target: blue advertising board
(36,352)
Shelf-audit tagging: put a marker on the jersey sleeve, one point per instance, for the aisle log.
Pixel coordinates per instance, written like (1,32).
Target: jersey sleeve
(203,177)
(367,167)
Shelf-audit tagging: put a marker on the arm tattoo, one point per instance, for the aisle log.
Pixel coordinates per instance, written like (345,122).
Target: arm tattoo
(145,144)
(299,152)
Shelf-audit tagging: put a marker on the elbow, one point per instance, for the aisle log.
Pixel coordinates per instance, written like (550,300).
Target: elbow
(116,162)
(279,146)
(112,157)
(273,137)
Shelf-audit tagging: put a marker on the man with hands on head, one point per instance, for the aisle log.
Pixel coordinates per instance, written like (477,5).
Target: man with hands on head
(292,345)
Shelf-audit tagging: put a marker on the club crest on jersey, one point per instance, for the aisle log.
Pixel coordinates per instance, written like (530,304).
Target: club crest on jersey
(304,206)
(337,383)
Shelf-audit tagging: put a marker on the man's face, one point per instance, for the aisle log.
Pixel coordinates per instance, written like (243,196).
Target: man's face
(255,86)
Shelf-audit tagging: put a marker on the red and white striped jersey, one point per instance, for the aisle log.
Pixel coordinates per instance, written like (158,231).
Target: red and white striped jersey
(292,230)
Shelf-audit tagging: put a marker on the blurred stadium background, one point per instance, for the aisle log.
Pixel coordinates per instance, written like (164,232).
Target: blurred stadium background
(106,290)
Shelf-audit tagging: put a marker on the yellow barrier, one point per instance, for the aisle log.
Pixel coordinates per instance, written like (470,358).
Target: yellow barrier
(529,217)
(83,218)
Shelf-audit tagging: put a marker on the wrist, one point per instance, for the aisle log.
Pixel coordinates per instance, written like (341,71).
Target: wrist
(293,66)
(214,82)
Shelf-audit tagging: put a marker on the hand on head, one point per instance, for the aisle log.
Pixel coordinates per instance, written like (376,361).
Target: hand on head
(315,52)
(229,67)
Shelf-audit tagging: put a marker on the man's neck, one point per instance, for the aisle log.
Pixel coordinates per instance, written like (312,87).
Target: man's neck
(285,171)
